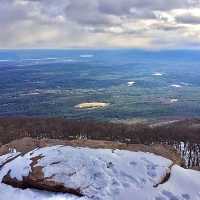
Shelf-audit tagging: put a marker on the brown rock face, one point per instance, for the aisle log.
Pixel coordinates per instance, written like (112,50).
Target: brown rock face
(36,180)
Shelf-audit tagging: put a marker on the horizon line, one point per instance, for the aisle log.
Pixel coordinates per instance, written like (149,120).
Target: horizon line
(106,48)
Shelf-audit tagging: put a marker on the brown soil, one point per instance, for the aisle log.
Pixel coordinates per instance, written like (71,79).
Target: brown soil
(27,144)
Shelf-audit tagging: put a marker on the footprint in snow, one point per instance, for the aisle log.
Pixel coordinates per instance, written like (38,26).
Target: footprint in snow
(129,179)
(160,198)
(133,163)
(169,195)
(151,168)
(186,196)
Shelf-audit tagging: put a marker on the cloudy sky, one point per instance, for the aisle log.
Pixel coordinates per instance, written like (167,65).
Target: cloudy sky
(99,23)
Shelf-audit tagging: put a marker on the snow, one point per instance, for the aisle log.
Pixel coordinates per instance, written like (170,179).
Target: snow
(173,100)
(157,74)
(20,167)
(92,105)
(103,174)
(131,83)
(184,184)
(7,157)
(176,85)
(86,56)
(8,192)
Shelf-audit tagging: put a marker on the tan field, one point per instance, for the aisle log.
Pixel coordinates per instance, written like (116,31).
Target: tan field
(92,105)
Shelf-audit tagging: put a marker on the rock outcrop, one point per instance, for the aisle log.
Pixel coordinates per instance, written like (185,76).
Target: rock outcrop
(82,171)
(93,174)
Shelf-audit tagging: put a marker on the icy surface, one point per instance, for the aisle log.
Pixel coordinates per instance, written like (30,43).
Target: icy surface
(18,168)
(5,158)
(103,174)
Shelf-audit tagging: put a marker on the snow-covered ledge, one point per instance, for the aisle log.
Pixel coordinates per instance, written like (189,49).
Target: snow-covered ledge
(72,173)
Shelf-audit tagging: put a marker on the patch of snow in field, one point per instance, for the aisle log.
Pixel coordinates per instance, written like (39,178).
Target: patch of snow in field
(173,100)
(86,56)
(92,105)
(176,85)
(131,83)
(157,74)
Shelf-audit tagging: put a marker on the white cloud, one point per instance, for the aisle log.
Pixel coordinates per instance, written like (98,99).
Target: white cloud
(99,23)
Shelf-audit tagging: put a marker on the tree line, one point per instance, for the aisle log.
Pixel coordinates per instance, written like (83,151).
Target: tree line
(183,135)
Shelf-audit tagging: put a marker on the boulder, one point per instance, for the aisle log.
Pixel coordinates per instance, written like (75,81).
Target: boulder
(80,173)
(92,173)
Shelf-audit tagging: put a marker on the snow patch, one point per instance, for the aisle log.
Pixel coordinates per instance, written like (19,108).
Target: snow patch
(131,83)
(157,74)
(176,85)
(173,100)
(86,56)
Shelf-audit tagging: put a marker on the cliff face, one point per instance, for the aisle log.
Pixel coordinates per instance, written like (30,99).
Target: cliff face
(71,172)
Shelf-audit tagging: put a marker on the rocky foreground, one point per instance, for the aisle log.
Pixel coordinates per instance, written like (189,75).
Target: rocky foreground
(62,170)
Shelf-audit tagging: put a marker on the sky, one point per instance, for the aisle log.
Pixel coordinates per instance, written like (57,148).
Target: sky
(151,24)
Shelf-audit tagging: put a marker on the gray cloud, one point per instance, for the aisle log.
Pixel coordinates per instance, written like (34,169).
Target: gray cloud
(121,7)
(167,27)
(93,23)
(188,19)
(10,12)
(97,12)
